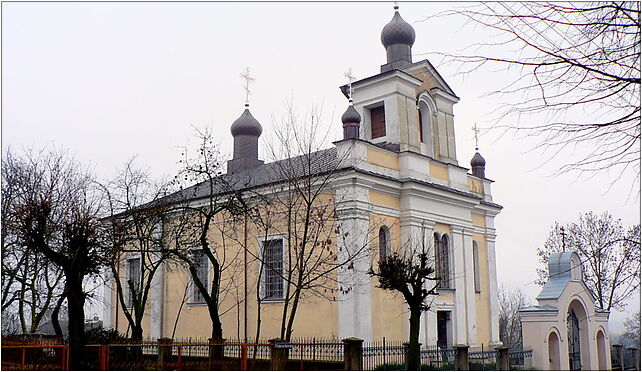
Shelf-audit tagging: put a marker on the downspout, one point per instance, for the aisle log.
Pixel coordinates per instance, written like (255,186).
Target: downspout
(245,276)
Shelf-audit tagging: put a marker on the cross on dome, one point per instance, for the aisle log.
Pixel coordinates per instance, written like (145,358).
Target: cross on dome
(476,130)
(348,75)
(248,80)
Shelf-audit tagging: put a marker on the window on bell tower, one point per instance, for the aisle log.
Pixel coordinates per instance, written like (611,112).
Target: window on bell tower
(377,122)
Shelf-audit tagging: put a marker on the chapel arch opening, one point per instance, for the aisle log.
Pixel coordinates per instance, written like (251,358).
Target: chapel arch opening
(601,350)
(553,352)
(578,338)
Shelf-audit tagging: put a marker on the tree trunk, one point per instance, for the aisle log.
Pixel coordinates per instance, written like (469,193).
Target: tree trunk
(55,315)
(76,311)
(414,359)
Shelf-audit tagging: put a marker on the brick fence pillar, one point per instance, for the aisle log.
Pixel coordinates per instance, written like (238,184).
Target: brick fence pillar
(278,356)
(503,362)
(353,354)
(164,351)
(619,357)
(634,355)
(461,358)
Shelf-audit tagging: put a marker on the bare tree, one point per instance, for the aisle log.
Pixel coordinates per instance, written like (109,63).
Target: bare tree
(301,206)
(194,212)
(136,222)
(58,214)
(31,284)
(609,253)
(410,272)
(632,335)
(578,84)
(510,326)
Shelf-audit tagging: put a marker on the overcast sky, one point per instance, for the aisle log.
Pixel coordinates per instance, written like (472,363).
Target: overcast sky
(111,80)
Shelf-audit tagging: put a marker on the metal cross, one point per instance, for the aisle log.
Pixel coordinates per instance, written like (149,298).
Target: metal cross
(248,80)
(351,78)
(476,130)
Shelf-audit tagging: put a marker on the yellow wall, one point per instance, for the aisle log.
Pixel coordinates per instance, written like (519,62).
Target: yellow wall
(389,310)
(478,219)
(382,199)
(438,171)
(383,159)
(442,228)
(482,299)
(475,186)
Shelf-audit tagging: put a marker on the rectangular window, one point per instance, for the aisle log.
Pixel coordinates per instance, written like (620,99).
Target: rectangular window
(476,267)
(202,268)
(133,279)
(273,269)
(378,122)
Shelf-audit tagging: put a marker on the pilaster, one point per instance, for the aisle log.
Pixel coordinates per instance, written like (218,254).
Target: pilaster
(494,304)
(459,274)
(471,308)
(355,314)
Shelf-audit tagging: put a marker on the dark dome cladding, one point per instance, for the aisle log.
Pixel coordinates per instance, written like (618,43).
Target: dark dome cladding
(351,116)
(397,31)
(477,160)
(246,124)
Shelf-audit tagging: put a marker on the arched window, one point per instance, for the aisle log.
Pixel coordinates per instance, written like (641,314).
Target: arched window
(384,242)
(476,266)
(441,258)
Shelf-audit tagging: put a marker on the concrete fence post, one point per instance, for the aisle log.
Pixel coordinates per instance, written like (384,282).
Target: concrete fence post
(503,361)
(461,358)
(634,355)
(278,355)
(353,354)
(164,351)
(619,356)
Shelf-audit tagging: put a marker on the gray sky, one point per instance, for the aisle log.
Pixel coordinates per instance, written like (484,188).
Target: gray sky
(111,80)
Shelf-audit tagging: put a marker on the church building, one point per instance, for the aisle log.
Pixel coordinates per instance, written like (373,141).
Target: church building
(400,181)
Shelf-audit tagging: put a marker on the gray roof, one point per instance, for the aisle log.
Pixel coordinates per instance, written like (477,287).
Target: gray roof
(559,275)
(538,308)
(319,162)
(246,124)
(351,116)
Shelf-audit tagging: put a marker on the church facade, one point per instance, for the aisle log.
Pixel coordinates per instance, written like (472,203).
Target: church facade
(400,182)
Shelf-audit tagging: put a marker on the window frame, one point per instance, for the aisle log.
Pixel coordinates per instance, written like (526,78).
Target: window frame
(476,268)
(385,250)
(264,267)
(194,291)
(129,298)
(443,268)
(381,107)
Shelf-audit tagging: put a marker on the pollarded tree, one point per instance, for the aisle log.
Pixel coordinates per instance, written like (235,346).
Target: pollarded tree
(609,253)
(573,60)
(58,217)
(411,273)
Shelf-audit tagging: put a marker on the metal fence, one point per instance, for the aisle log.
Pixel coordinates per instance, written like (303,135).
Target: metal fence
(383,354)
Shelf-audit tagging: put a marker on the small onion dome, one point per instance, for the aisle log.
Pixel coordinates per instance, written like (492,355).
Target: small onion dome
(351,116)
(246,125)
(478,160)
(397,31)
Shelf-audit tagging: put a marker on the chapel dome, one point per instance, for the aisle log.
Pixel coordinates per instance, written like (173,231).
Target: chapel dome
(477,160)
(246,124)
(397,31)
(351,116)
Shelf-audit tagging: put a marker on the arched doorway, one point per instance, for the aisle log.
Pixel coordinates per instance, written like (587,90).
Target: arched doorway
(553,352)
(601,350)
(577,335)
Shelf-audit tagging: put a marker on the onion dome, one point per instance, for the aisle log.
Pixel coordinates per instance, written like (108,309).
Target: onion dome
(351,120)
(478,164)
(477,160)
(246,124)
(397,31)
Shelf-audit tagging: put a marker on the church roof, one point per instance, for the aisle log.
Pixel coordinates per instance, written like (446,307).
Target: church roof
(320,162)
(538,308)
(397,31)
